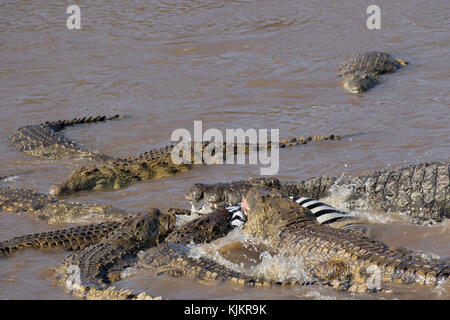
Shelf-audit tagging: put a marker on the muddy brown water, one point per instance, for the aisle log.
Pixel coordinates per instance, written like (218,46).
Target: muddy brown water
(231,64)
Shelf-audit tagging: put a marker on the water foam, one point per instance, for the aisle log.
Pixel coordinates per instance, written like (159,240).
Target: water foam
(360,208)
(10,179)
(270,266)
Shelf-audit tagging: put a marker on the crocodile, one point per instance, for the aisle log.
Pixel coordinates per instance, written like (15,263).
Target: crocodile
(150,165)
(102,250)
(46,207)
(420,190)
(347,260)
(172,256)
(90,272)
(98,250)
(80,237)
(75,238)
(99,265)
(360,73)
(44,140)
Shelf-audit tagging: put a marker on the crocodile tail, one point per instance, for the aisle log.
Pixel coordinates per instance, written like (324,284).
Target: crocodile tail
(111,293)
(61,124)
(304,140)
(207,269)
(74,238)
(173,258)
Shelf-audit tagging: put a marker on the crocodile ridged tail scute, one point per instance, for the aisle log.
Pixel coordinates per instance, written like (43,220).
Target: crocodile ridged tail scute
(98,266)
(61,124)
(420,190)
(361,72)
(75,238)
(45,141)
(293,230)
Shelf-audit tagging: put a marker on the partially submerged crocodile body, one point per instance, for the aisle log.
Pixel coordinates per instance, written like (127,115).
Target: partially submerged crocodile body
(92,270)
(52,210)
(44,140)
(100,251)
(83,236)
(172,256)
(420,190)
(75,238)
(361,72)
(147,166)
(345,259)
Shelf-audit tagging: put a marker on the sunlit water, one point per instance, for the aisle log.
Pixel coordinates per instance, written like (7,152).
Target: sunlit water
(231,64)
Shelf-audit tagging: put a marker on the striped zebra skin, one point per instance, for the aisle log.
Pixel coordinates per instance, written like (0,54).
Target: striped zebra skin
(324,213)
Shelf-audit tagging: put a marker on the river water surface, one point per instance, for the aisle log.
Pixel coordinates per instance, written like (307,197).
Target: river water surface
(232,64)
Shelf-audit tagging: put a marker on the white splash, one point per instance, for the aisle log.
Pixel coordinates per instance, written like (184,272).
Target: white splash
(338,198)
(10,179)
(271,266)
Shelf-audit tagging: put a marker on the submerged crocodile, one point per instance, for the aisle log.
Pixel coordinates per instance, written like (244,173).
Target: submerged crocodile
(420,190)
(100,251)
(90,272)
(346,259)
(148,166)
(45,207)
(361,72)
(172,256)
(52,210)
(75,238)
(44,140)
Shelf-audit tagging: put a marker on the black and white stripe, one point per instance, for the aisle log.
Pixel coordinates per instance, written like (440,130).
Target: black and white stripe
(238,217)
(324,213)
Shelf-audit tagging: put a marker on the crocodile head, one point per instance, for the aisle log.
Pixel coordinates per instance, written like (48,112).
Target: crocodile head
(214,194)
(359,81)
(144,227)
(256,204)
(266,211)
(227,193)
(85,179)
(203,229)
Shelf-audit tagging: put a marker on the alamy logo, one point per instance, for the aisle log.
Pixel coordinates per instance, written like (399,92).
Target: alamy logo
(74,20)
(374,20)
(374,280)
(210,147)
(74,277)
